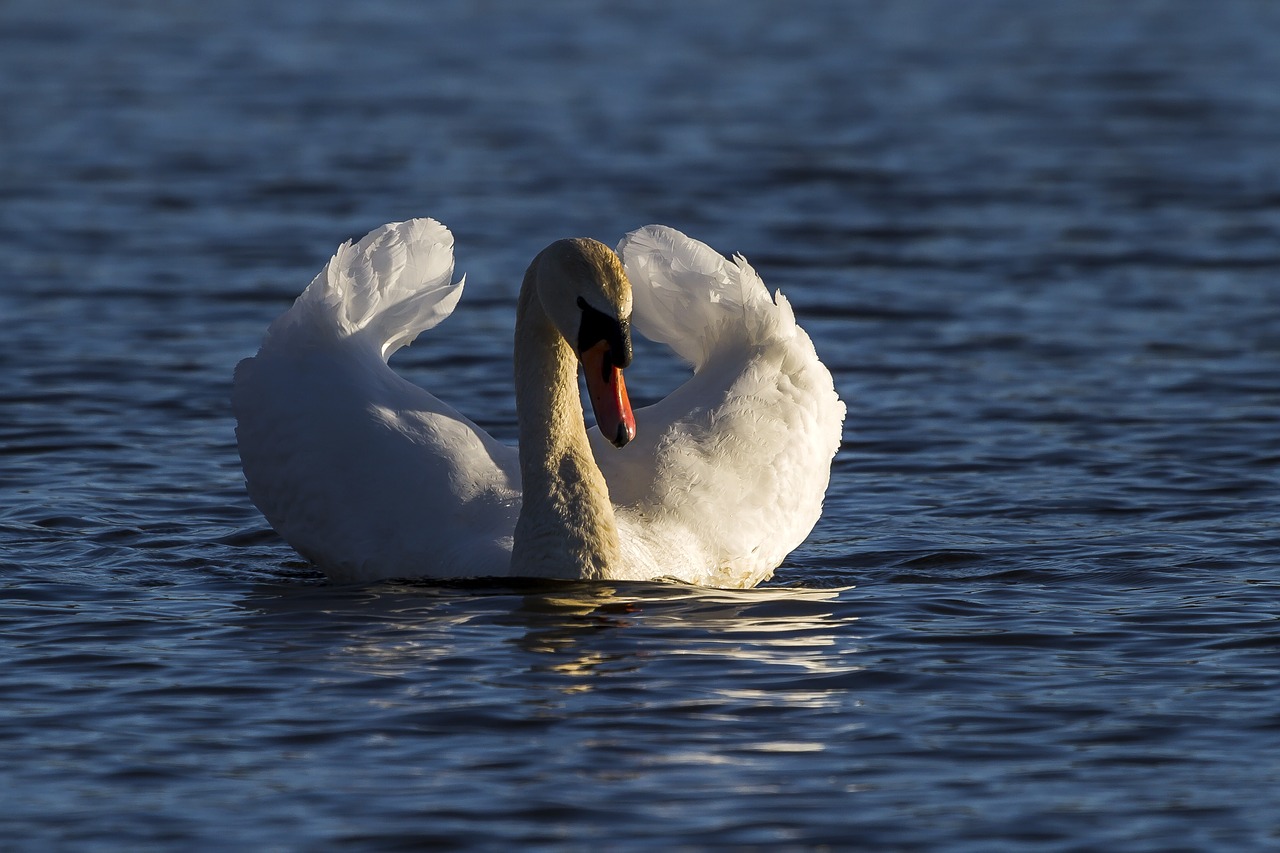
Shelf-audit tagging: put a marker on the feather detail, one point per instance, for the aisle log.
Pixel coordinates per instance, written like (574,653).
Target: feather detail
(382,291)
(372,477)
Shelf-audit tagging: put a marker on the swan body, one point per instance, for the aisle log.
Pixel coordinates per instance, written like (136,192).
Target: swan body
(371,477)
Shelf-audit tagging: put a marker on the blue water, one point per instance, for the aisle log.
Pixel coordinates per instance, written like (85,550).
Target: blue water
(1038,245)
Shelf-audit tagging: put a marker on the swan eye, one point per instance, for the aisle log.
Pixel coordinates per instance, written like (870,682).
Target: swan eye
(598,326)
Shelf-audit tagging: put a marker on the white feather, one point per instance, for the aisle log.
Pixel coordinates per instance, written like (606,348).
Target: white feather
(371,477)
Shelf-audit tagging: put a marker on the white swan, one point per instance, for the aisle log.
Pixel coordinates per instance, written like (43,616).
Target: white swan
(371,477)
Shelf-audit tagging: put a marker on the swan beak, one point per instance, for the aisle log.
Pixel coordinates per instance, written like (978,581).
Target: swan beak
(608,395)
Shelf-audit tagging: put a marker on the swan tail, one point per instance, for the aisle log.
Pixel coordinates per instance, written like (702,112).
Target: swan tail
(382,291)
(693,299)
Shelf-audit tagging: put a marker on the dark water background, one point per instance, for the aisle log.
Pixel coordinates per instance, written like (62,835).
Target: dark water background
(1038,244)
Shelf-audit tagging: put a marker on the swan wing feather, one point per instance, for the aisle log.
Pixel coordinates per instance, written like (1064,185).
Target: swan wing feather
(372,477)
(382,291)
(727,473)
(361,471)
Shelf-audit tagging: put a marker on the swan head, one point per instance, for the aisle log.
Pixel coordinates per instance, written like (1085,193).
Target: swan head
(585,293)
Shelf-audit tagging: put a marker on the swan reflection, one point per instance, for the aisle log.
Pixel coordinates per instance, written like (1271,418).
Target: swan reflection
(592,634)
(641,644)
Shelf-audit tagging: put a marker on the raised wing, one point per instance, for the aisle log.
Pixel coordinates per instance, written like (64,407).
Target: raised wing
(729,470)
(358,469)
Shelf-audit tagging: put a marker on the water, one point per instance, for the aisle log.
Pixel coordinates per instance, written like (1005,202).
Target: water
(1037,244)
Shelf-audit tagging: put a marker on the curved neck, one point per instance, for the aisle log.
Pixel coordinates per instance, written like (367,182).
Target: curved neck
(566,527)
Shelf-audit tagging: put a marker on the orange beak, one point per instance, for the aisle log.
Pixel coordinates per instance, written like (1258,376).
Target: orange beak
(608,395)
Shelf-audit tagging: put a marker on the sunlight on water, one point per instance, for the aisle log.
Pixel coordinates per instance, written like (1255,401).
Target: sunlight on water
(1035,243)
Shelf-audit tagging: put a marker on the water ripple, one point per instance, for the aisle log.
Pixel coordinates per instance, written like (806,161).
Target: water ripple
(1036,246)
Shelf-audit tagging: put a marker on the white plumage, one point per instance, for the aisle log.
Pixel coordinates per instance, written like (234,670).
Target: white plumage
(371,477)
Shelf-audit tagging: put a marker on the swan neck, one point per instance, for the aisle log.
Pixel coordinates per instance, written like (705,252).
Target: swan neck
(566,527)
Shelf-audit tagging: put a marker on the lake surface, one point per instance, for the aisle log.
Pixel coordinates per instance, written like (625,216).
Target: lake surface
(1037,244)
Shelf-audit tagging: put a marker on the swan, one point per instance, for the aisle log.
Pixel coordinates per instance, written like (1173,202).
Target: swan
(370,477)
